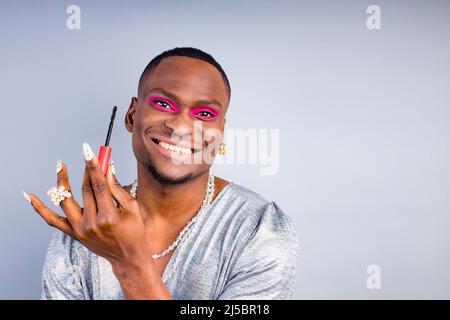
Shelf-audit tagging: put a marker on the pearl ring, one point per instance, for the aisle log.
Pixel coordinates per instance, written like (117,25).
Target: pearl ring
(58,194)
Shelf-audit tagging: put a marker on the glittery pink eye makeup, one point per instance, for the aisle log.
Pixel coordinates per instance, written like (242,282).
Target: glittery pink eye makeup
(163,104)
(204,113)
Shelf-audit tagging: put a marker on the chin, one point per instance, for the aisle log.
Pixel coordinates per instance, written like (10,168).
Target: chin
(171,175)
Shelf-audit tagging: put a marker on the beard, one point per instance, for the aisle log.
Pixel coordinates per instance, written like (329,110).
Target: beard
(165,180)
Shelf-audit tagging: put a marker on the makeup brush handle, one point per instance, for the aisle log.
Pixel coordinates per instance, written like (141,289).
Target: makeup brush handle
(103,158)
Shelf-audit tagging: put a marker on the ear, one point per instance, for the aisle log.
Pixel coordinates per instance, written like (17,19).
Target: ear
(129,117)
(223,125)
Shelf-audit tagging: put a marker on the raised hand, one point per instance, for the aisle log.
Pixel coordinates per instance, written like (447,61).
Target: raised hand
(113,231)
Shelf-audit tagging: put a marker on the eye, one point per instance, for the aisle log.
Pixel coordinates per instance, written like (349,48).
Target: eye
(203,113)
(163,104)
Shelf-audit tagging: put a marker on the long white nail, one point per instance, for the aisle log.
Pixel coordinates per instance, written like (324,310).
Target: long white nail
(87,152)
(58,166)
(113,168)
(26,196)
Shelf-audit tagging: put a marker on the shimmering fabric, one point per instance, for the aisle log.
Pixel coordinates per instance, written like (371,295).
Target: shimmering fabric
(242,247)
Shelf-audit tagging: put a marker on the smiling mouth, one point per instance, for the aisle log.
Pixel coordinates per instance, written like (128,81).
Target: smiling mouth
(175,148)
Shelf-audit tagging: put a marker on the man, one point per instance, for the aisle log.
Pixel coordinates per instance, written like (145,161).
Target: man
(182,233)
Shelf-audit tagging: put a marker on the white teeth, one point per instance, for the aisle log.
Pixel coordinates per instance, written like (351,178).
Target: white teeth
(174,148)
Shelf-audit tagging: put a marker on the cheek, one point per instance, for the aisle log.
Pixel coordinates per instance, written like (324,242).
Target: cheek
(144,122)
(213,132)
(153,117)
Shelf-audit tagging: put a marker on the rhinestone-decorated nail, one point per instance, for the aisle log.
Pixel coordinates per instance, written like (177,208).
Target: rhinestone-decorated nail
(26,196)
(58,166)
(87,152)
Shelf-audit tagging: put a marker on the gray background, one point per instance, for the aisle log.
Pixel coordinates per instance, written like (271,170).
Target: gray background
(363,118)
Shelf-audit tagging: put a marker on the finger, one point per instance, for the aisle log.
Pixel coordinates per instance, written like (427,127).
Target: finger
(69,205)
(89,203)
(119,193)
(99,185)
(52,218)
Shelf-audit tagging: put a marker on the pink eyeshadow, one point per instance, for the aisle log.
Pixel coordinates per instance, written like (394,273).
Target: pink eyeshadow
(152,101)
(194,111)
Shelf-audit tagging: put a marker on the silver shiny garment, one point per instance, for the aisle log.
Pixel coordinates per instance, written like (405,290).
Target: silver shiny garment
(241,247)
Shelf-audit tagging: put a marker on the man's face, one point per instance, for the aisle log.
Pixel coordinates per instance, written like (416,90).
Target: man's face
(182,103)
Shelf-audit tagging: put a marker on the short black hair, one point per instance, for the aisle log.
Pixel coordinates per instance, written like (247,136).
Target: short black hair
(184,52)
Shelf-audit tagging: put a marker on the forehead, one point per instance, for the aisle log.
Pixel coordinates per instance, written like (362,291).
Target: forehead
(188,78)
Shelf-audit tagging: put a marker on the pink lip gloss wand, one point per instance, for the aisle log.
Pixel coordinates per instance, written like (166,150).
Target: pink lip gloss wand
(105,151)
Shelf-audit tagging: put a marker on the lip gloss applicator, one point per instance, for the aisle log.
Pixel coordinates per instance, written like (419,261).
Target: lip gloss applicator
(105,151)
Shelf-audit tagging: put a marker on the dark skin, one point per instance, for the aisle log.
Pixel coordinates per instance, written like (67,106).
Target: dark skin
(168,196)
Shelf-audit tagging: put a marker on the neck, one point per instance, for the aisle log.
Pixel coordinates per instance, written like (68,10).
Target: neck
(169,203)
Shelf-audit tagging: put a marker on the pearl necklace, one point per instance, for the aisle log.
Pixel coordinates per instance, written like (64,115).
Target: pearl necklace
(209,193)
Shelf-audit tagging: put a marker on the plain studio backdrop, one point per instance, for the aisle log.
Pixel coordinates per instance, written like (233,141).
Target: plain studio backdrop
(363,118)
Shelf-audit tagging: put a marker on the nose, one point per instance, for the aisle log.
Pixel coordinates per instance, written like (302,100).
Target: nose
(181,124)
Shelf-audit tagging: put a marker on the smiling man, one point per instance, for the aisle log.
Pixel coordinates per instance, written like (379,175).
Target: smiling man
(179,232)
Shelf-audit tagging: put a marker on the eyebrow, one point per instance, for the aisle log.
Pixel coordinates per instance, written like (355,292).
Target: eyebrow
(174,97)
